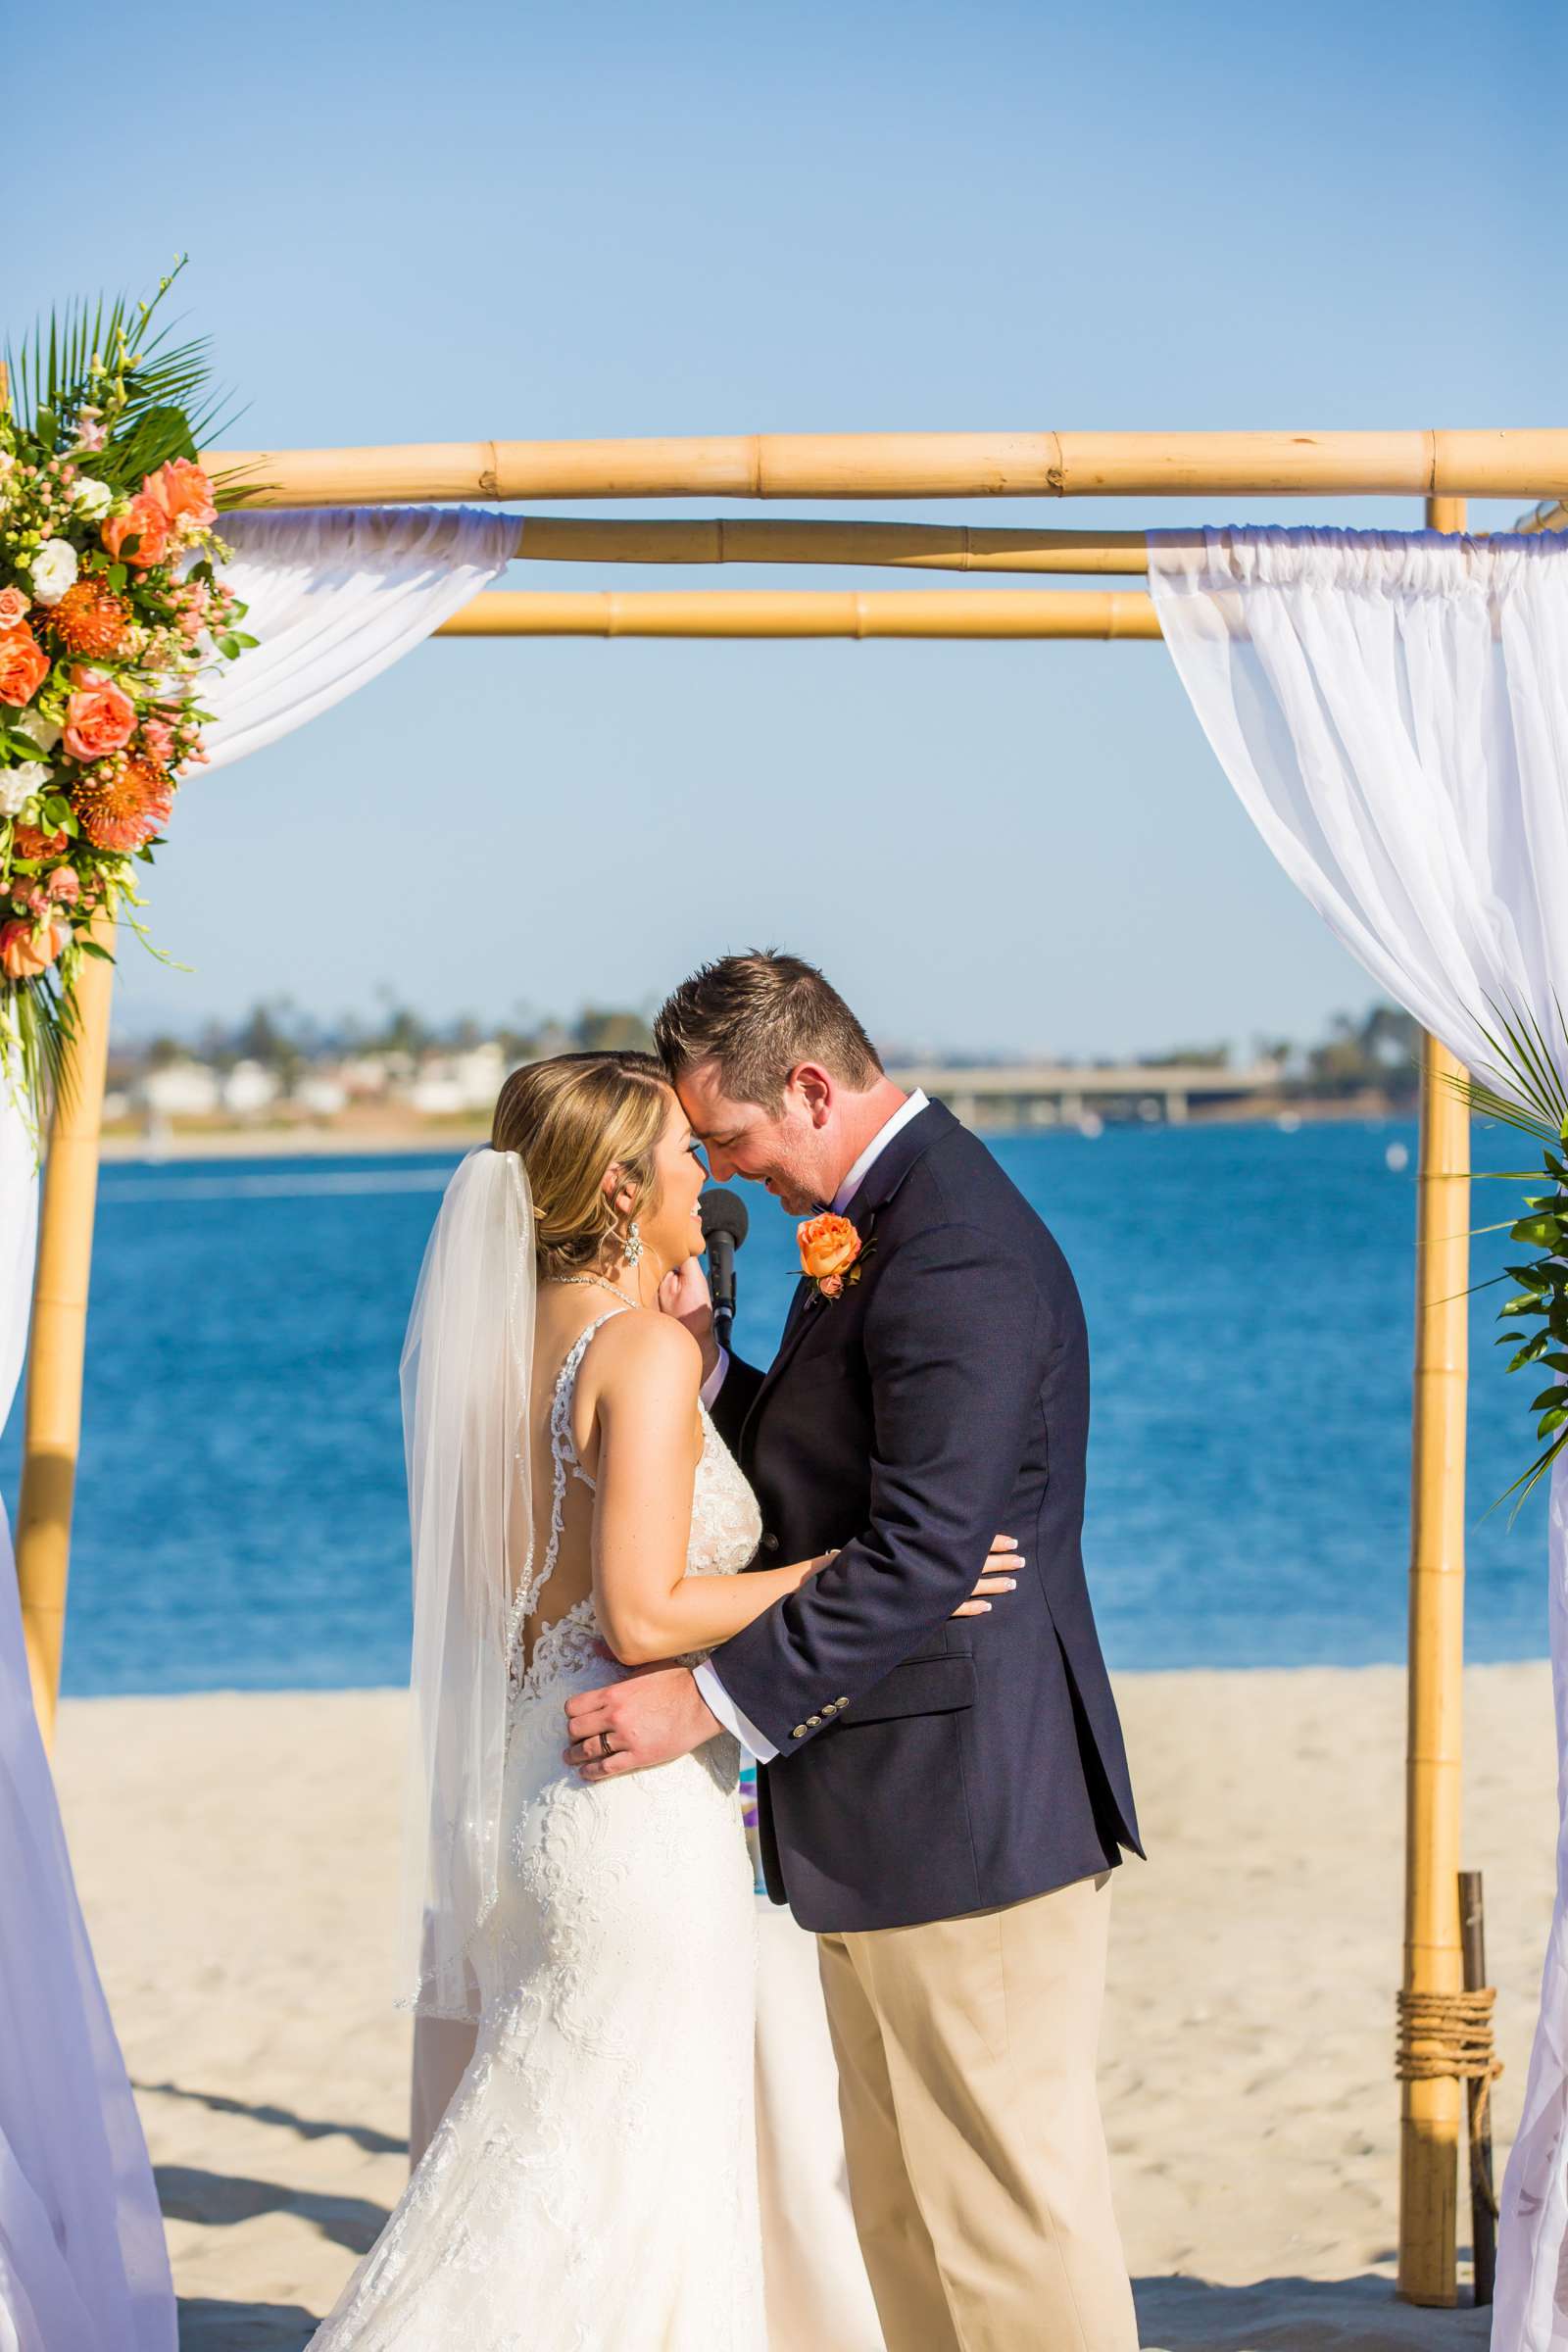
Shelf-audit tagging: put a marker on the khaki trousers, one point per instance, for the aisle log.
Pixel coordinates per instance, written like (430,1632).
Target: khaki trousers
(978,2170)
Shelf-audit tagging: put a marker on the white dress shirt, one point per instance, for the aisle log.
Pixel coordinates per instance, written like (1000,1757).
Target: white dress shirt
(714,1694)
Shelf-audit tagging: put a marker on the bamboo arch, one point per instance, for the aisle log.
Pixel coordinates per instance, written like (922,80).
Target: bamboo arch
(1441,468)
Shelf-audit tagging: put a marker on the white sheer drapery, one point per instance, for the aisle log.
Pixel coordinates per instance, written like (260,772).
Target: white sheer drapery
(1393,712)
(82,2265)
(337,595)
(334,597)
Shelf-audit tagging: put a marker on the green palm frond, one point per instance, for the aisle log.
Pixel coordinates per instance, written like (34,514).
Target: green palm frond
(43,1027)
(1533,1099)
(164,403)
(1538,1104)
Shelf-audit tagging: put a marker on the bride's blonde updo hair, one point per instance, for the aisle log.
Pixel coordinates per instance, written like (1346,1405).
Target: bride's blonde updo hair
(571,1120)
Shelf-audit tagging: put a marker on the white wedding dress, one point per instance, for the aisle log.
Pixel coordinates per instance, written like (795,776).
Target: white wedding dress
(593,2185)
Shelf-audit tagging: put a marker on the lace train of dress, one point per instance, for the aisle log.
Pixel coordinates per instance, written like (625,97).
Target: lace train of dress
(593,2185)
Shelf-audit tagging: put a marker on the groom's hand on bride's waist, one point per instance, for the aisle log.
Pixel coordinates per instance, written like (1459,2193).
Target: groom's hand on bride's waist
(655,1715)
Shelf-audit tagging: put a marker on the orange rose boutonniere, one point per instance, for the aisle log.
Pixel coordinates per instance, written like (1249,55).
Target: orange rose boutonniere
(831,1254)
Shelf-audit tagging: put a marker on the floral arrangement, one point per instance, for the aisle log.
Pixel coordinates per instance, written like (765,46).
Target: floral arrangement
(110,610)
(832,1255)
(1537,1314)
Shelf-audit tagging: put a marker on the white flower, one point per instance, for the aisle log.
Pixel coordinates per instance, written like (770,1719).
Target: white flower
(18,784)
(54,570)
(92,499)
(31,723)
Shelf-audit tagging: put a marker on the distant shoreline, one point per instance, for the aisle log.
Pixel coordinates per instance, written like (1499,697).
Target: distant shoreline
(350,1143)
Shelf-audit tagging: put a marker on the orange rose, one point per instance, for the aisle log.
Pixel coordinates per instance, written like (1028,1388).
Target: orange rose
(27,840)
(829,1247)
(181,488)
(24,666)
(143,521)
(100,718)
(23,955)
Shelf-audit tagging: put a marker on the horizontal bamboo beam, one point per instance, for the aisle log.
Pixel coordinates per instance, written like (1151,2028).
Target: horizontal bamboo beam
(907,546)
(975,613)
(1523,462)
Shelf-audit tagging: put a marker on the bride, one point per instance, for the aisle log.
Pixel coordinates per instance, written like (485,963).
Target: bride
(592,2184)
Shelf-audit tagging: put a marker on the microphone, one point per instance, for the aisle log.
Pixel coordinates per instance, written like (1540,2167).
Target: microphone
(724,1227)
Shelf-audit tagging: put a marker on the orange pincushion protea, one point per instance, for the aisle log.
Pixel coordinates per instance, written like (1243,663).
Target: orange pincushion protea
(120,804)
(90,620)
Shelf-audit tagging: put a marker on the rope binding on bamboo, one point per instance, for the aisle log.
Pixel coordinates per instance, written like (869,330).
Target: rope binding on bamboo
(1449,2033)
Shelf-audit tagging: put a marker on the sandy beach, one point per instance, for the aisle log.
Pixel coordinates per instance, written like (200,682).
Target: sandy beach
(237,1860)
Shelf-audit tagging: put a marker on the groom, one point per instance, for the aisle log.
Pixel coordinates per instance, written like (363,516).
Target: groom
(942,1799)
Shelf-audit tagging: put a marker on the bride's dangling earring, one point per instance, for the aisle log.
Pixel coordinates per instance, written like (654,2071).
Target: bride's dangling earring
(633,1248)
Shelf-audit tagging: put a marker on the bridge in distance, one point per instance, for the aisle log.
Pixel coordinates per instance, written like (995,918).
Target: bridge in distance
(1072,1095)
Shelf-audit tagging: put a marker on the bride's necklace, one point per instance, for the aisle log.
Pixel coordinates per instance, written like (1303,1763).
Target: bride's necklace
(571,1281)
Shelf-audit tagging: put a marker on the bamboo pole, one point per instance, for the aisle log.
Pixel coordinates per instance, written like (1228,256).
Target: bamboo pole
(904,546)
(1523,462)
(952,613)
(1434,1958)
(57,1344)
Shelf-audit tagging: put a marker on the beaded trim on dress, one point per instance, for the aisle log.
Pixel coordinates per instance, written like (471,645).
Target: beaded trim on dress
(568,1642)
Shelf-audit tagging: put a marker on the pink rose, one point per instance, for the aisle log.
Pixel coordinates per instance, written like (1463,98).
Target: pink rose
(181,488)
(145,522)
(100,716)
(62,888)
(14,608)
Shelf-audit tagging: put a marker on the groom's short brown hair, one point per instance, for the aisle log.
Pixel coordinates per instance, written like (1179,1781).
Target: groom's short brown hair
(759,1016)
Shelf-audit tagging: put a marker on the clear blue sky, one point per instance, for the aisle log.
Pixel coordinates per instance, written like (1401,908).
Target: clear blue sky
(488,220)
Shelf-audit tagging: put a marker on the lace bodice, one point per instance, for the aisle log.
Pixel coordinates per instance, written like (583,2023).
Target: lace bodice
(726,1528)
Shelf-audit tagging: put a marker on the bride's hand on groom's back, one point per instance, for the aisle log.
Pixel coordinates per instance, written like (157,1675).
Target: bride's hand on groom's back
(1000,1575)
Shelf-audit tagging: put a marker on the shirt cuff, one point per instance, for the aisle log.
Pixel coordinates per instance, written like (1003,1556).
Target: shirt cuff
(719,1702)
(710,1387)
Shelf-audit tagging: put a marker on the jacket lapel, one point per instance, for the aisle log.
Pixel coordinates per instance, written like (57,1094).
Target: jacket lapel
(881,1181)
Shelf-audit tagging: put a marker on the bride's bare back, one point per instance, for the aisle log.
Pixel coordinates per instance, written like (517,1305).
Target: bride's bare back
(563,1419)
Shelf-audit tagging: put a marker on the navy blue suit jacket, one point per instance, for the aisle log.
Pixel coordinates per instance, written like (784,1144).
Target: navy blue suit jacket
(929,1766)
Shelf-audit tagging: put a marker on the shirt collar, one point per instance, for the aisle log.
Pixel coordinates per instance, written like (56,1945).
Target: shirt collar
(874,1150)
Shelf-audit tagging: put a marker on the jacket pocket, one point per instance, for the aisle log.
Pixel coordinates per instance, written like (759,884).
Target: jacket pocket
(920,1687)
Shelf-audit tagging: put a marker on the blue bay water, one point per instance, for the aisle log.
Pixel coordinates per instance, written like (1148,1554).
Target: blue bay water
(240,1515)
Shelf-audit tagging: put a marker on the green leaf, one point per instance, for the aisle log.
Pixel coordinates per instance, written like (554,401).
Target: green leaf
(1549,1400)
(1541,1233)
(92,947)
(1533,1278)
(1531,1351)
(1529,1304)
(1555,1419)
